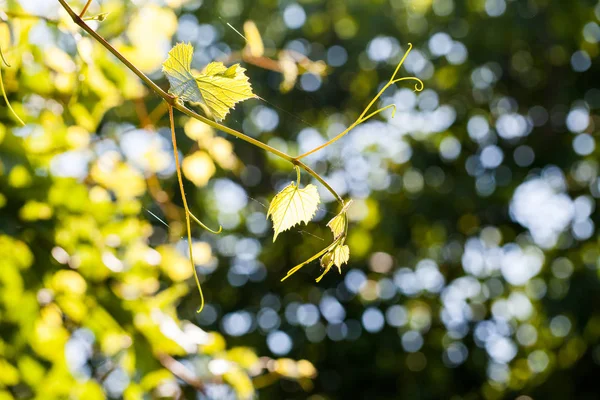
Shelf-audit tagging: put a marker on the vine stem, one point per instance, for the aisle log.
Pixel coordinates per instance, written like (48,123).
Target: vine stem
(185,205)
(297,175)
(172,102)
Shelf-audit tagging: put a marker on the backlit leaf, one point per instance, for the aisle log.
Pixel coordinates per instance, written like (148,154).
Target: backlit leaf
(217,87)
(292,206)
(178,69)
(338,223)
(341,255)
(223,87)
(338,256)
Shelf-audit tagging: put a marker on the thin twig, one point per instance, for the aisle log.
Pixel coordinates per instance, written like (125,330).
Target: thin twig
(171,100)
(85,8)
(12,14)
(180,371)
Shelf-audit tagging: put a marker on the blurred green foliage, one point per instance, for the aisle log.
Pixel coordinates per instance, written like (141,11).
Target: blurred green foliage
(474,253)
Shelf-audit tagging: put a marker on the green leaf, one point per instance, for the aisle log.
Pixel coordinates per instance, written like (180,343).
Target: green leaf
(338,223)
(223,87)
(178,69)
(292,206)
(217,87)
(338,256)
(341,255)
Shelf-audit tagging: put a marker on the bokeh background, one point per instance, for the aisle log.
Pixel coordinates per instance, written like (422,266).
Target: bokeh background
(473,232)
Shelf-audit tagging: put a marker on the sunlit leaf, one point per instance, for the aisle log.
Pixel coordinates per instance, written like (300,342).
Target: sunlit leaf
(341,255)
(223,87)
(292,206)
(178,69)
(338,256)
(217,87)
(338,223)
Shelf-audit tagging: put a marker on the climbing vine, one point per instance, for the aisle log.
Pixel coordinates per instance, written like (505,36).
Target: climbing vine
(216,90)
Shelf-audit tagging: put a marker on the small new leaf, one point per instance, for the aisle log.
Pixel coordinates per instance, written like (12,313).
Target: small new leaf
(341,255)
(292,206)
(100,17)
(327,260)
(217,87)
(338,256)
(338,223)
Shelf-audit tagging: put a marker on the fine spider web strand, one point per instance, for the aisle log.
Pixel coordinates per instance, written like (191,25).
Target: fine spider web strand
(303,232)
(256,201)
(235,30)
(157,217)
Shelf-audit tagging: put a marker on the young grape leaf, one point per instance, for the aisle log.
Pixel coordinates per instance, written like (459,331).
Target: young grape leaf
(338,256)
(219,88)
(341,255)
(223,87)
(338,223)
(178,69)
(292,206)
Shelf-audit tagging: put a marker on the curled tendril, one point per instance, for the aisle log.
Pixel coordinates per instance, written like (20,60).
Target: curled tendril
(339,241)
(4,59)
(4,91)
(216,232)
(419,86)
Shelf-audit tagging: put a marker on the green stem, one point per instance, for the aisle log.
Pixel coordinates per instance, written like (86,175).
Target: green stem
(297,175)
(172,101)
(232,132)
(77,19)
(321,180)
